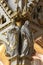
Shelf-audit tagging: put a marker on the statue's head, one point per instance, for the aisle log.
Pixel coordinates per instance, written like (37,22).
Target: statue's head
(26,23)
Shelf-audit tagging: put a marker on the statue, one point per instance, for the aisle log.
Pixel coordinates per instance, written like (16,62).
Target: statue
(27,40)
(13,39)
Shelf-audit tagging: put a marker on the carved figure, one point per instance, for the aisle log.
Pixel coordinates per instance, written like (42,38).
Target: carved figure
(13,38)
(27,40)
